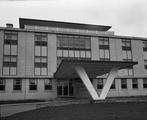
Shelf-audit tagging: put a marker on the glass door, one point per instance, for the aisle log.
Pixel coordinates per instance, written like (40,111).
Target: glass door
(64,88)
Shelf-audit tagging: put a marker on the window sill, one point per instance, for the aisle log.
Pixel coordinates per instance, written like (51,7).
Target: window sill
(33,91)
(17,91)
(3,91)
(48,90)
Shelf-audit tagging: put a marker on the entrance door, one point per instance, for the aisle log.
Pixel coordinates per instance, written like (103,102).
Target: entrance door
(65,88)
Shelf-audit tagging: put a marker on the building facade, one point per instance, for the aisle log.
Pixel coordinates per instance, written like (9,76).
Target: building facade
(30,56)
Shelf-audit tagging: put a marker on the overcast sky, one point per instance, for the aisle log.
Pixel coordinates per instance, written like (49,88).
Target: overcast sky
(127,17)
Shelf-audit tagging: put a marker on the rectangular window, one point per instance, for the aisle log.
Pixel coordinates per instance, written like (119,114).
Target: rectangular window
(74,47)
(134,83)
(48,84)
(144,82)
(33,84)
(99,83)
(10,53)
(71,53)
(113,85)
(127,50)
(40,61)
(17,84)
(2,84)
(126,72)
(145,46)
(124,83)
(104,50)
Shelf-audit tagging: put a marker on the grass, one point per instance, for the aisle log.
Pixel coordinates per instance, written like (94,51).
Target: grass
(103,111)
(19,101)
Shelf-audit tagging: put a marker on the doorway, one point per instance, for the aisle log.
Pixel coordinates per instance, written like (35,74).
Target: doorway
(65,88)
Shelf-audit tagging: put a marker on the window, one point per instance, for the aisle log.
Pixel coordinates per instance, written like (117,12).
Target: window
(145,66)
(126,49)
(145,46)
(100,83)
(33,84)
(144,82)
(10,53)
(77,47)
(124,83)
(113,85)
(126,72)
(145,55)
(104,49)
(2,84)
(17,83)
(40,61)
(127,55)
(48,84)
(134,83)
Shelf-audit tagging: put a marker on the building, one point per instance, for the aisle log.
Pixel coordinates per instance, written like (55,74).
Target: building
(35,57)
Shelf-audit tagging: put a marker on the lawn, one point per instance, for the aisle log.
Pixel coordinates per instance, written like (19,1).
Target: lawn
(102,111)
(19,101)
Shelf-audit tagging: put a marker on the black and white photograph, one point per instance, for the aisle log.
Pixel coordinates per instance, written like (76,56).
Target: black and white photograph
(73,59)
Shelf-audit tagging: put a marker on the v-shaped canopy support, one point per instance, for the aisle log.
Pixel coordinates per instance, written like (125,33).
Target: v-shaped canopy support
(85,79)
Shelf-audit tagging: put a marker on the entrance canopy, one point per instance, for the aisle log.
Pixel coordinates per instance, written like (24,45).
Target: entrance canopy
(93,68)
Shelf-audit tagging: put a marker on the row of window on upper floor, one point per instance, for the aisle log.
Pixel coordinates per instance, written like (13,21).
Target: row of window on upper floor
(66,41)
(66,49)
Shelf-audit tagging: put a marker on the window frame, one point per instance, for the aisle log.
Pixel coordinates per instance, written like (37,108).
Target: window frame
(135,83)
(100,83)
(104,48)
(48,86)
(35,85)
(42,43)
(3,85)
(10,64)
(17,85)
(124,85)
(144,83)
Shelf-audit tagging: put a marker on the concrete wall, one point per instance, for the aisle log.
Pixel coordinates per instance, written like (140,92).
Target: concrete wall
(10,94)
(1,50)
(94,48)
(119,92)
(137,52)
(30,54)
(52,57)
(21,60)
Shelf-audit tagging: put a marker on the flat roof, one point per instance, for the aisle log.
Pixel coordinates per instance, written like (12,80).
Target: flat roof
(73,33)
(59,24)
(93,68)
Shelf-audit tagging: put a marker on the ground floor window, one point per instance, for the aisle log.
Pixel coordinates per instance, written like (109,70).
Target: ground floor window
(100,83)
(48,84)
(33,84)
(134,83)
(113,85)
(144,82)
(2,84)
(124,83)
(17,84)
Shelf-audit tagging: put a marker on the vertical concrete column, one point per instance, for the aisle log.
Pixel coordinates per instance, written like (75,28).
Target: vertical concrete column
(21,60)
(108,83)
(137,53)
(94,48)
(85,79)
(1,50)
(29,54)
(112,49)
(52,57)
(118,49)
